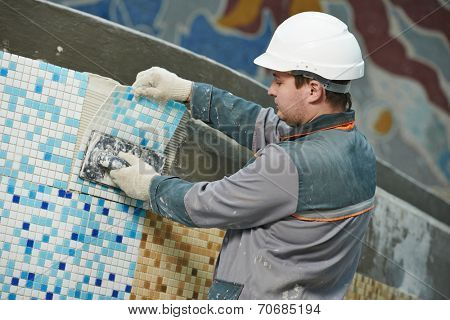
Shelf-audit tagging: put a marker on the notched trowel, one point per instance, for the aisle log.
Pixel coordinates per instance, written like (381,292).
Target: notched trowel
(102,156)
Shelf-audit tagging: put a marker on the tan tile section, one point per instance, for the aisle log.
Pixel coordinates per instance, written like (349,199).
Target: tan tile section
(175,262)
(366,288)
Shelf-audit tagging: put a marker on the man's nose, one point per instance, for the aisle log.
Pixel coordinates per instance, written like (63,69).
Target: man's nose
(271,91)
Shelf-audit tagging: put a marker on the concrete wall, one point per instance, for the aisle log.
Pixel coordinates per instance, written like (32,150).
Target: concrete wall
(407,249)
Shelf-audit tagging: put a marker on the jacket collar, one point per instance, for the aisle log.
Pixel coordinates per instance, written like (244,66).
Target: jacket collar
(342,121)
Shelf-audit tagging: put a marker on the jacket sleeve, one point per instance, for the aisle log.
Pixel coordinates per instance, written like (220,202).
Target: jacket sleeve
(246,122)
(263,192)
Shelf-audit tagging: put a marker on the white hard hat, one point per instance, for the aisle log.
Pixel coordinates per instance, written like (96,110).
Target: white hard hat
(316,43)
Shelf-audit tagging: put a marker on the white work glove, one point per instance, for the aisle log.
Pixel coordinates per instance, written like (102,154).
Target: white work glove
(162,85)
(134,180)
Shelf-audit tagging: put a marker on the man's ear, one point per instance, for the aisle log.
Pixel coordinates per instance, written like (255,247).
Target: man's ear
(316,91)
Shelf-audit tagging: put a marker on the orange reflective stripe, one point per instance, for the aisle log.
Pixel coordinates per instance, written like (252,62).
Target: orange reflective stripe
(346,126)
(299,217)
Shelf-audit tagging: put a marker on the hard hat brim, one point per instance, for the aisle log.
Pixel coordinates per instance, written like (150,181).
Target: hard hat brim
(271,62)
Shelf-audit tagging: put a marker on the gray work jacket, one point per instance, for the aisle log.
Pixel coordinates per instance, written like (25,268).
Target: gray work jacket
(295,215)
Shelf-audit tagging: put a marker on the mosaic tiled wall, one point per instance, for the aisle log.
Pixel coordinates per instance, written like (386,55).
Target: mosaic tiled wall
(68,239)
(403,101)
(140,121)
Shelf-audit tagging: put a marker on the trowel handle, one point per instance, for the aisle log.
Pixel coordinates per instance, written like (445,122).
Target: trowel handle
(111,162)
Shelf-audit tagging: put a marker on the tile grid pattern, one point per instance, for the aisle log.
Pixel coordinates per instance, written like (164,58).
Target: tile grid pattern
(141,121)
(175,262)
(41,107)
(60,245)
(56,243)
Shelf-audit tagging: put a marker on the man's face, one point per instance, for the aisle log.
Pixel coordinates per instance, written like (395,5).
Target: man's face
(290,100)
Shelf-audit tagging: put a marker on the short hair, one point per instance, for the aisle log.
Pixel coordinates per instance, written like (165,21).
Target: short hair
(339,100)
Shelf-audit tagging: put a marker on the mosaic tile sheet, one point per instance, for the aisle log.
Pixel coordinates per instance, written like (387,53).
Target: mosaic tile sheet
(175,262)
(55,244)
(141,121)
(59,244)
(39,118)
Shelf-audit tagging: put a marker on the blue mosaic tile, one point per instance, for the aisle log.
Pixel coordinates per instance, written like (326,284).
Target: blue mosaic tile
(55,243)
(48,132)
(140,121)
(49,272)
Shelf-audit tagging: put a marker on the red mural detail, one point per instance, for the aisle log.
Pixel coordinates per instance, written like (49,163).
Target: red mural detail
(371,21)
(438,20)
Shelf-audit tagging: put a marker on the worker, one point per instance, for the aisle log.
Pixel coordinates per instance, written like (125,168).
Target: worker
(297,213)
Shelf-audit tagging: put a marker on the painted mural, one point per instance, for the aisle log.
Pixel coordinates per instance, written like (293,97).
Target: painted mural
(402,102)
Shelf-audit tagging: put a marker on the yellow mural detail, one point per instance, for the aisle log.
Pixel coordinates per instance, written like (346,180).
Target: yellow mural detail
(304,5)
(242,14)
(384,122)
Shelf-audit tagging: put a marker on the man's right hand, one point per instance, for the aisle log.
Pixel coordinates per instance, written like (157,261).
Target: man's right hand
(160,84)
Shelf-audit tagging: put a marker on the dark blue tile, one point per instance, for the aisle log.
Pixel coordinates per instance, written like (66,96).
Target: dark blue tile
(112,277)
(105,211)
(69,195)
(31,276)
(74,236)
(30,243)
(16,199)
(87,207)
(15,281)
(119,239)
(115,293)
(49,296)
(62,266)
(61,193)
(98,282)
(128,288)
(95,233)
(47,156)
(25,226)
(44,205)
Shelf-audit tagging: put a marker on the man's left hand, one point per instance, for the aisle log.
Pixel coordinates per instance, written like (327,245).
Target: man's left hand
(134,180)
